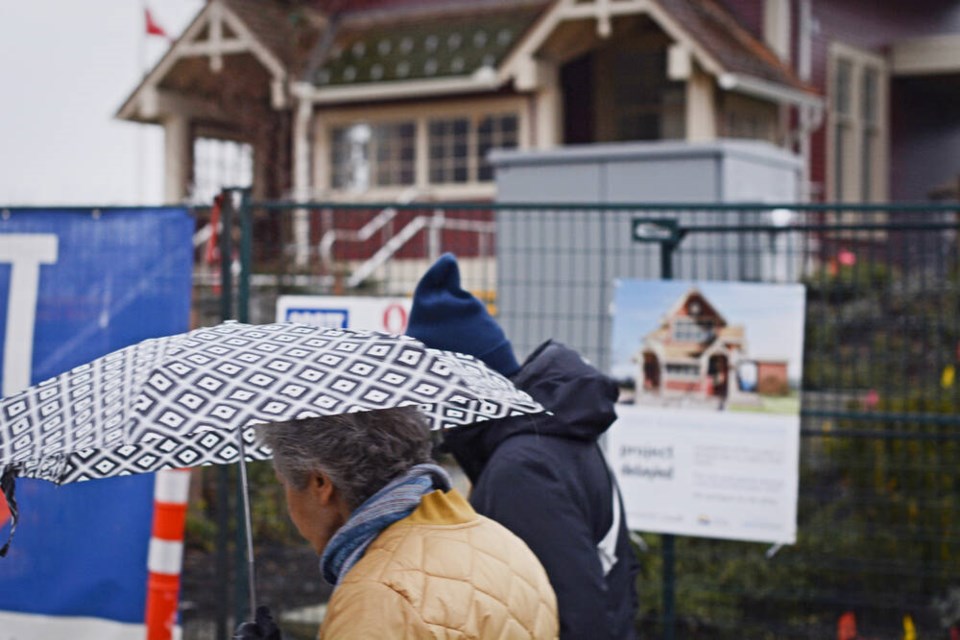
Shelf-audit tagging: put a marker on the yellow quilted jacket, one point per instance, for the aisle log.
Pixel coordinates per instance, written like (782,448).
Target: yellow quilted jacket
(444,572)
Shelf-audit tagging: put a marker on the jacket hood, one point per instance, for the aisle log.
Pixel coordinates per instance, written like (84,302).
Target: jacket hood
(581,399)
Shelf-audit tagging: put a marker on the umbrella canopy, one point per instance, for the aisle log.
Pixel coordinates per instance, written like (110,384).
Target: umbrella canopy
(192,399)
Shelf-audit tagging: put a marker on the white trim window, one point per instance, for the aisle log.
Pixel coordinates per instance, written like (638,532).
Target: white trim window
(683,370)
(690,330)
(219,163)
(449,140)
(858,126)
(365,155)
(500,131)
(444,150)
(458,147)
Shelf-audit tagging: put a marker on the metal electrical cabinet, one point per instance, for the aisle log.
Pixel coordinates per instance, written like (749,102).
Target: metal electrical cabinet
(575,254)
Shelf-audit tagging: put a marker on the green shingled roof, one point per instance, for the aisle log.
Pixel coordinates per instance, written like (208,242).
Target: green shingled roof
(455,45)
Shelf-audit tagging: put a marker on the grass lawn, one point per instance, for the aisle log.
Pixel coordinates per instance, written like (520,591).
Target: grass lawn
(784,405)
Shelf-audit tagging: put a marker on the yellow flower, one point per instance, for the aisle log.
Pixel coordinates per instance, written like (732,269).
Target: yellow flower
(948,376)
(909,630)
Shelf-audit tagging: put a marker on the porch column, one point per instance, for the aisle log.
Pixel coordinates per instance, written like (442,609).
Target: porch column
(548,113)
(177,158)
(301,180)
(701,116)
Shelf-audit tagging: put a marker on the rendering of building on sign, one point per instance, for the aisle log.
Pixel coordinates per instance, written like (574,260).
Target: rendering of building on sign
(695,355)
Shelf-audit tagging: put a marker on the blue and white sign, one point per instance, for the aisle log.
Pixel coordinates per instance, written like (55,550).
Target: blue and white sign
(74,285)
(346,312)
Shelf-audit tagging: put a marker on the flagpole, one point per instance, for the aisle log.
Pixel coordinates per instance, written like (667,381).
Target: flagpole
(142,61)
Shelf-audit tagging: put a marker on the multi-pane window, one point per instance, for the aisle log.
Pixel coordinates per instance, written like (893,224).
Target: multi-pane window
(842,124)
(373,155)
(857,126)
(458,147)
(348,152)
(870,130)
(449,150)
(494,132)
(687,370)
(687,330)
(217,164)
(393,152)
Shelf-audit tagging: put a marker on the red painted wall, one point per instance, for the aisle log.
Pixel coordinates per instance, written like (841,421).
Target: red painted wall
(866,24)
(873,26)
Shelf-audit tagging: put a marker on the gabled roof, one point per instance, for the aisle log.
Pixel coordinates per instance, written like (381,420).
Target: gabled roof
(421,42)
(278,36)
(681,302)
(349,50)
(427,44)
(288,30)
(712,35)
(730,43)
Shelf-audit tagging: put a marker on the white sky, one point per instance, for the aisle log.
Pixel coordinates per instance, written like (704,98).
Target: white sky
(65,68)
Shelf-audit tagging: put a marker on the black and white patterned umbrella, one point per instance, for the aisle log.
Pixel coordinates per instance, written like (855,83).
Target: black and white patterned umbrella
(186,400)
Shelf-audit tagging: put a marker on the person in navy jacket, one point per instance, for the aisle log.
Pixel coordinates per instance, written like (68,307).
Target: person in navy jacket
(543,477)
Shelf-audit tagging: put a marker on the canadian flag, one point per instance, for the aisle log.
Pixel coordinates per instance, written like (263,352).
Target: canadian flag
(153,29)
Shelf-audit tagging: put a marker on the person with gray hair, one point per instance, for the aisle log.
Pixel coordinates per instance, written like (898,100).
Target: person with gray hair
(406,554)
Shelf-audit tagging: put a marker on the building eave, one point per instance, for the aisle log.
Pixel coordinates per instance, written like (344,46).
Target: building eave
(567,10)
(142,104)
(766,90)
(395,90)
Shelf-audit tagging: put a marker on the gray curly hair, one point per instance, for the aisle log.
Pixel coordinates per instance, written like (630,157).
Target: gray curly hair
(361,452)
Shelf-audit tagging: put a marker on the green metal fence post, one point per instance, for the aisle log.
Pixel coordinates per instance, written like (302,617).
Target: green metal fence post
(668,234)
(225,247)
(667,550)
(239,207)
(226,255)
(246,256)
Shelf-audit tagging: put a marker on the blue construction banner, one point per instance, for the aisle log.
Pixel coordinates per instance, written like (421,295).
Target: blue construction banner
(76,284)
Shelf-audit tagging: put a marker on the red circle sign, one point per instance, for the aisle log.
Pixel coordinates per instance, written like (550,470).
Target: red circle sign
(394,318)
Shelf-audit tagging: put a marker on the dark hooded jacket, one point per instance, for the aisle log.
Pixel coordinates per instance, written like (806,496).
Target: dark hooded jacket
(545,478)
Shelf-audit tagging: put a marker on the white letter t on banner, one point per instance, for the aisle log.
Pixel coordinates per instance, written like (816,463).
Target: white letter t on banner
(25,253)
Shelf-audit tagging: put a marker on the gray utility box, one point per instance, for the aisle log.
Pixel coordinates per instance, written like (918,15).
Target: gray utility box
(556,268)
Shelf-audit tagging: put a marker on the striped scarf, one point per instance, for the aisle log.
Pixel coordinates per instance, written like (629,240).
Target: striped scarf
(394,502)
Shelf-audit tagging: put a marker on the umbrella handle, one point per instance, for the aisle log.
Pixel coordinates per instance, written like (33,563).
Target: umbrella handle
(245,489)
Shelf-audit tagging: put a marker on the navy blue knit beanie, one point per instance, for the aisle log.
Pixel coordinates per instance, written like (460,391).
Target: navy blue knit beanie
(444,316)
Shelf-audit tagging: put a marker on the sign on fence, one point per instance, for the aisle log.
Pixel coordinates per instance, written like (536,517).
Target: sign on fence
(75,285)
(707,437)
(342,312)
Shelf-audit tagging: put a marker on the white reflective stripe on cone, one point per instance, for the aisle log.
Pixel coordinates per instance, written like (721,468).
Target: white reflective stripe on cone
(172,486)
(165,556)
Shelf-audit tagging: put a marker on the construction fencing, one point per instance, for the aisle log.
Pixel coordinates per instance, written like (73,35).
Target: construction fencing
(878,541)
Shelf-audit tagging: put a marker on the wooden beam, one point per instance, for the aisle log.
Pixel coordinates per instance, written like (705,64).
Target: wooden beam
(214,48)
(931,55)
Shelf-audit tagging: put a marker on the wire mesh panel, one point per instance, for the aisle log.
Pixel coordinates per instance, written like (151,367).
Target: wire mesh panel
(878,541)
